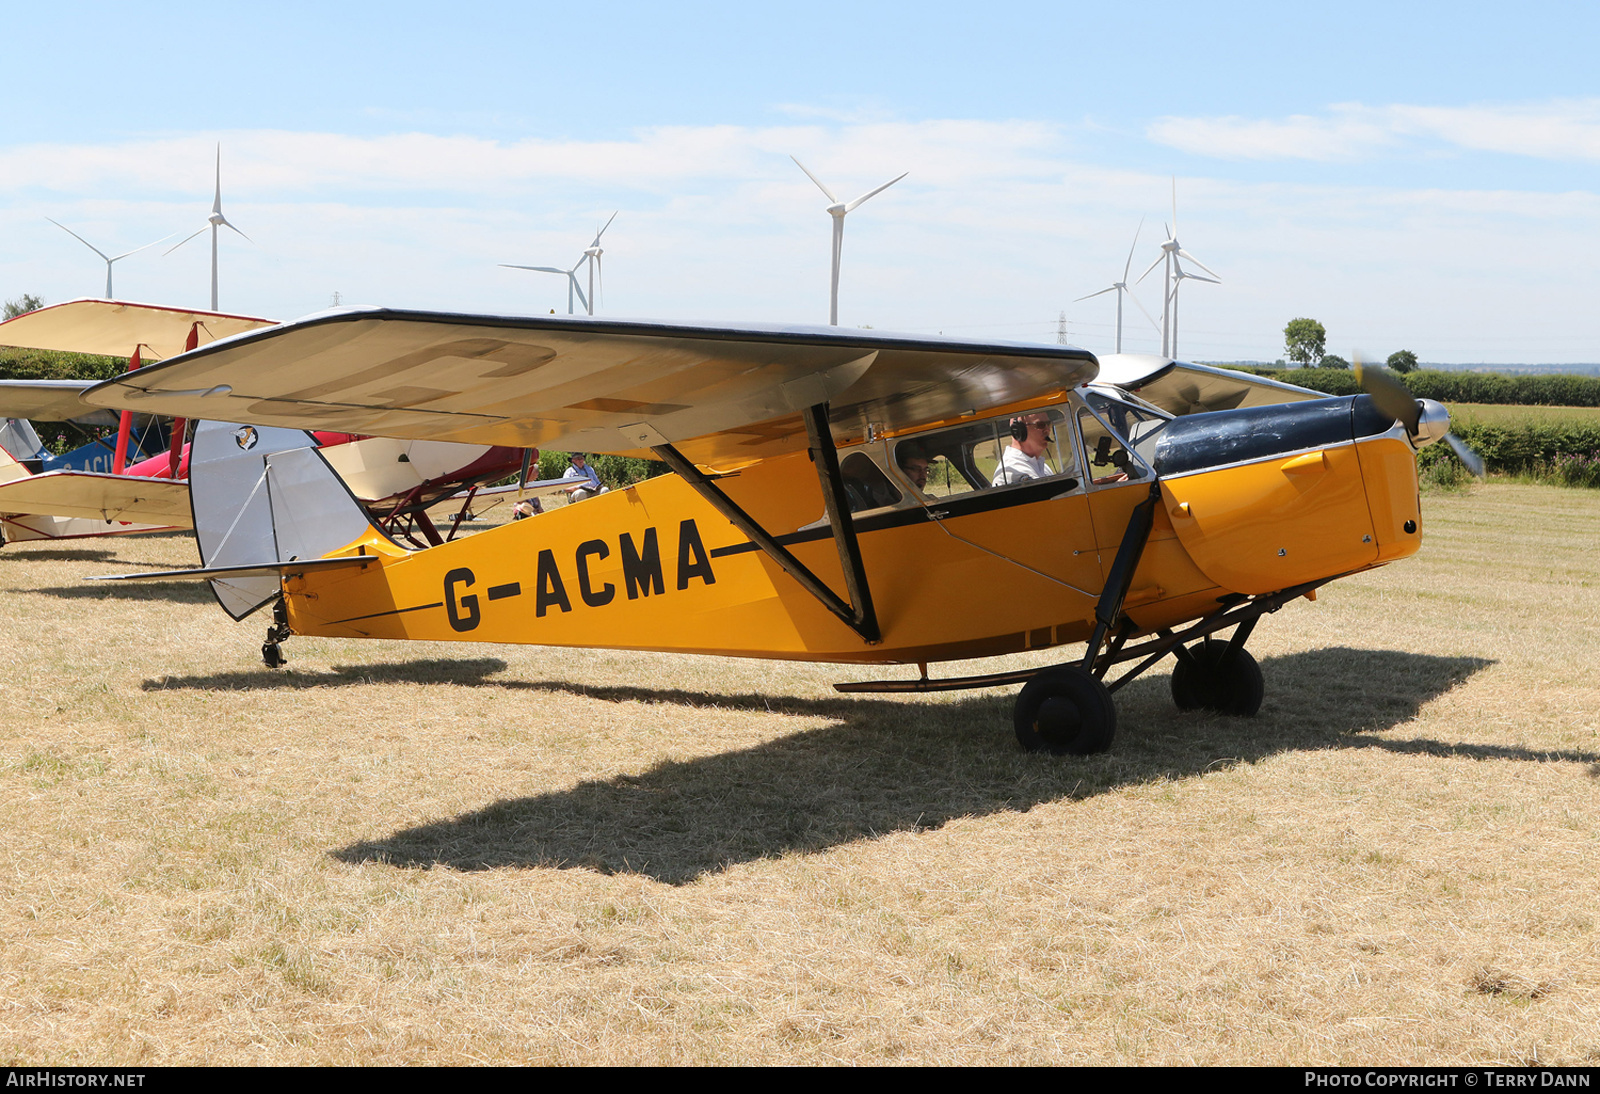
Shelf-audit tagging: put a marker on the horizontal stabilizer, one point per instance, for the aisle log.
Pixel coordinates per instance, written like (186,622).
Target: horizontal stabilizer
(265,569)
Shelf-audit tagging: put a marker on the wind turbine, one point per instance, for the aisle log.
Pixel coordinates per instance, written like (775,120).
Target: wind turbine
(591,255)
(214,221)
(837,211)
(1177,283)
(1120,287)
(1171,252)
(108,259)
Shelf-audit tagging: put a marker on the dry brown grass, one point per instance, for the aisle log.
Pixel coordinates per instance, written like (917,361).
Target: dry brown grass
(451,854)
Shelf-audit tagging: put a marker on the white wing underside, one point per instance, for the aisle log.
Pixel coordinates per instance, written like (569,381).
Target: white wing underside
(726,396)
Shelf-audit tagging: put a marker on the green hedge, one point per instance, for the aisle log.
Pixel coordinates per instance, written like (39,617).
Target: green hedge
(41,364)
(1552,389)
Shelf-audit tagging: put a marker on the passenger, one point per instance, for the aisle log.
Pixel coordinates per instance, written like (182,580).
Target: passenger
(1023,458)
(913,463)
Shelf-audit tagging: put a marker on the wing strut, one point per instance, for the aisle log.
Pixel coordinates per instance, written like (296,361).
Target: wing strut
(858,614)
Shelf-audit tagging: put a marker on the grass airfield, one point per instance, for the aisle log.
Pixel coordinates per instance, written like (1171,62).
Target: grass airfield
(414,853)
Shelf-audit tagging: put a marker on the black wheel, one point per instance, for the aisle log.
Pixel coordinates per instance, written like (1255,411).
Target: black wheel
(1065,711)
(272,655)
(1226,681)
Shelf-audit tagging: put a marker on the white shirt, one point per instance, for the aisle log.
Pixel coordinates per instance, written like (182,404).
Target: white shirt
(1017,466)
(588,473)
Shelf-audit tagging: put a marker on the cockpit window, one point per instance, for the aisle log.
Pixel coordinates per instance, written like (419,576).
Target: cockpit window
(1139,424)
(865,485)
(1107,453)
(999,452)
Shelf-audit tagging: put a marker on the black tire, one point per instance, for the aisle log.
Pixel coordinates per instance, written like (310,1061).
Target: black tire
(1065,711)
(272,656)
(1224,681)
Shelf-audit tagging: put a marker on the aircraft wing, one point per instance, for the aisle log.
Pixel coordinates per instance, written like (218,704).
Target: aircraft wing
(726,396)
(114,327)
(51,401)
(127,498)
(1182,387)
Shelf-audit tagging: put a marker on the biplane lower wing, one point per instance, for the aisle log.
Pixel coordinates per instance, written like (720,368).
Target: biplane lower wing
(83,494)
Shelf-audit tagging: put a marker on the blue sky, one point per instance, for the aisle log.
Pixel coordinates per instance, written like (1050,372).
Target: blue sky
(1419,177)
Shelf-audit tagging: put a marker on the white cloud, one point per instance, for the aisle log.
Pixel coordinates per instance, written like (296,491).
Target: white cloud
(999,226)
(1564,130)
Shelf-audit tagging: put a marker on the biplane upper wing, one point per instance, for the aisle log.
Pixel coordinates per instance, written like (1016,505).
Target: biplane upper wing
(114,327)
(726,396)
(1183,387)
(128,498)
(51,401)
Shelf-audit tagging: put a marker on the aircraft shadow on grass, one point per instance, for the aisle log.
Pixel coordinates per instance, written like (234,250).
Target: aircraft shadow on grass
(466,672)
(182,592)
(63,554)
(887,766)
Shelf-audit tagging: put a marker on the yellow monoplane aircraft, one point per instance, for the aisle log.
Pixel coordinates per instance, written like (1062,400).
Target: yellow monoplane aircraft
(845,496)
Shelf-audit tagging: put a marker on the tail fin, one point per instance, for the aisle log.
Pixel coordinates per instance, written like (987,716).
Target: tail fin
(264,495)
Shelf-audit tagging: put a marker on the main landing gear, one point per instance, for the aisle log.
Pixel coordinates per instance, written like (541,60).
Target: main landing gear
(1067,710)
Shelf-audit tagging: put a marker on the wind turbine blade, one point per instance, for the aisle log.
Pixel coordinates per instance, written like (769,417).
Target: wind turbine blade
(577,288)
(1202,265)
(136,250)
(1092,295)
(1153,265)
(216,204)
(1153,324)
(1197,277)
(537,269)
(876,192)
(602,231)
(184,240)
(83,241)
(1128,265)
(816,180)
(1174,207)
(225,221)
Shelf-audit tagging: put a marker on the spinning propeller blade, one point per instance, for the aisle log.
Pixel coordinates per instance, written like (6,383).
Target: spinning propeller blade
(1395,399)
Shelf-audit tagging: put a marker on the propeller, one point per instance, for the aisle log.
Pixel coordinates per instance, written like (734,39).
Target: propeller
(1426,420)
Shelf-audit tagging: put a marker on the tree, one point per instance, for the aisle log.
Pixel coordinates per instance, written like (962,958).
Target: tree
(1333,360)
(27,304)
(1402,361)
(1304,341)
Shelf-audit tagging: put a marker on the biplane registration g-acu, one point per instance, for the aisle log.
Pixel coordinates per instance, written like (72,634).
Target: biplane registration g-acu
(840,496)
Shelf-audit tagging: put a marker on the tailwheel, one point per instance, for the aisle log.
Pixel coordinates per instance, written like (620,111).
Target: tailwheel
(1065,711)
(272,649)
(1211,676)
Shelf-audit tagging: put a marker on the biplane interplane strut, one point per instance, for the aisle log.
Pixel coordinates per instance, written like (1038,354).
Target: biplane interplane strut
(844,496)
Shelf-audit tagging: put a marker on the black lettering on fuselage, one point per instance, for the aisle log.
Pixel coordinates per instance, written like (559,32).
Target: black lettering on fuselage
(641,567)
(552,593)
(464,616)
(692,558)
(608,592)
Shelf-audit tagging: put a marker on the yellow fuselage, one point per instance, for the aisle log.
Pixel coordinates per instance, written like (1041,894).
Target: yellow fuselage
(655,567)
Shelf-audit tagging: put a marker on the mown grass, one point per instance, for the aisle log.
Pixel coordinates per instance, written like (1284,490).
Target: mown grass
(400,853)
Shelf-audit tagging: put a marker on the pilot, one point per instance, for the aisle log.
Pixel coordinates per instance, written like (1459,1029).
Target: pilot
(1023,458)
(913,463)
(589,482)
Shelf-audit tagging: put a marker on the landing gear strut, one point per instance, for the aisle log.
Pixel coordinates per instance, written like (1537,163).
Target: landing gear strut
(277,634)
